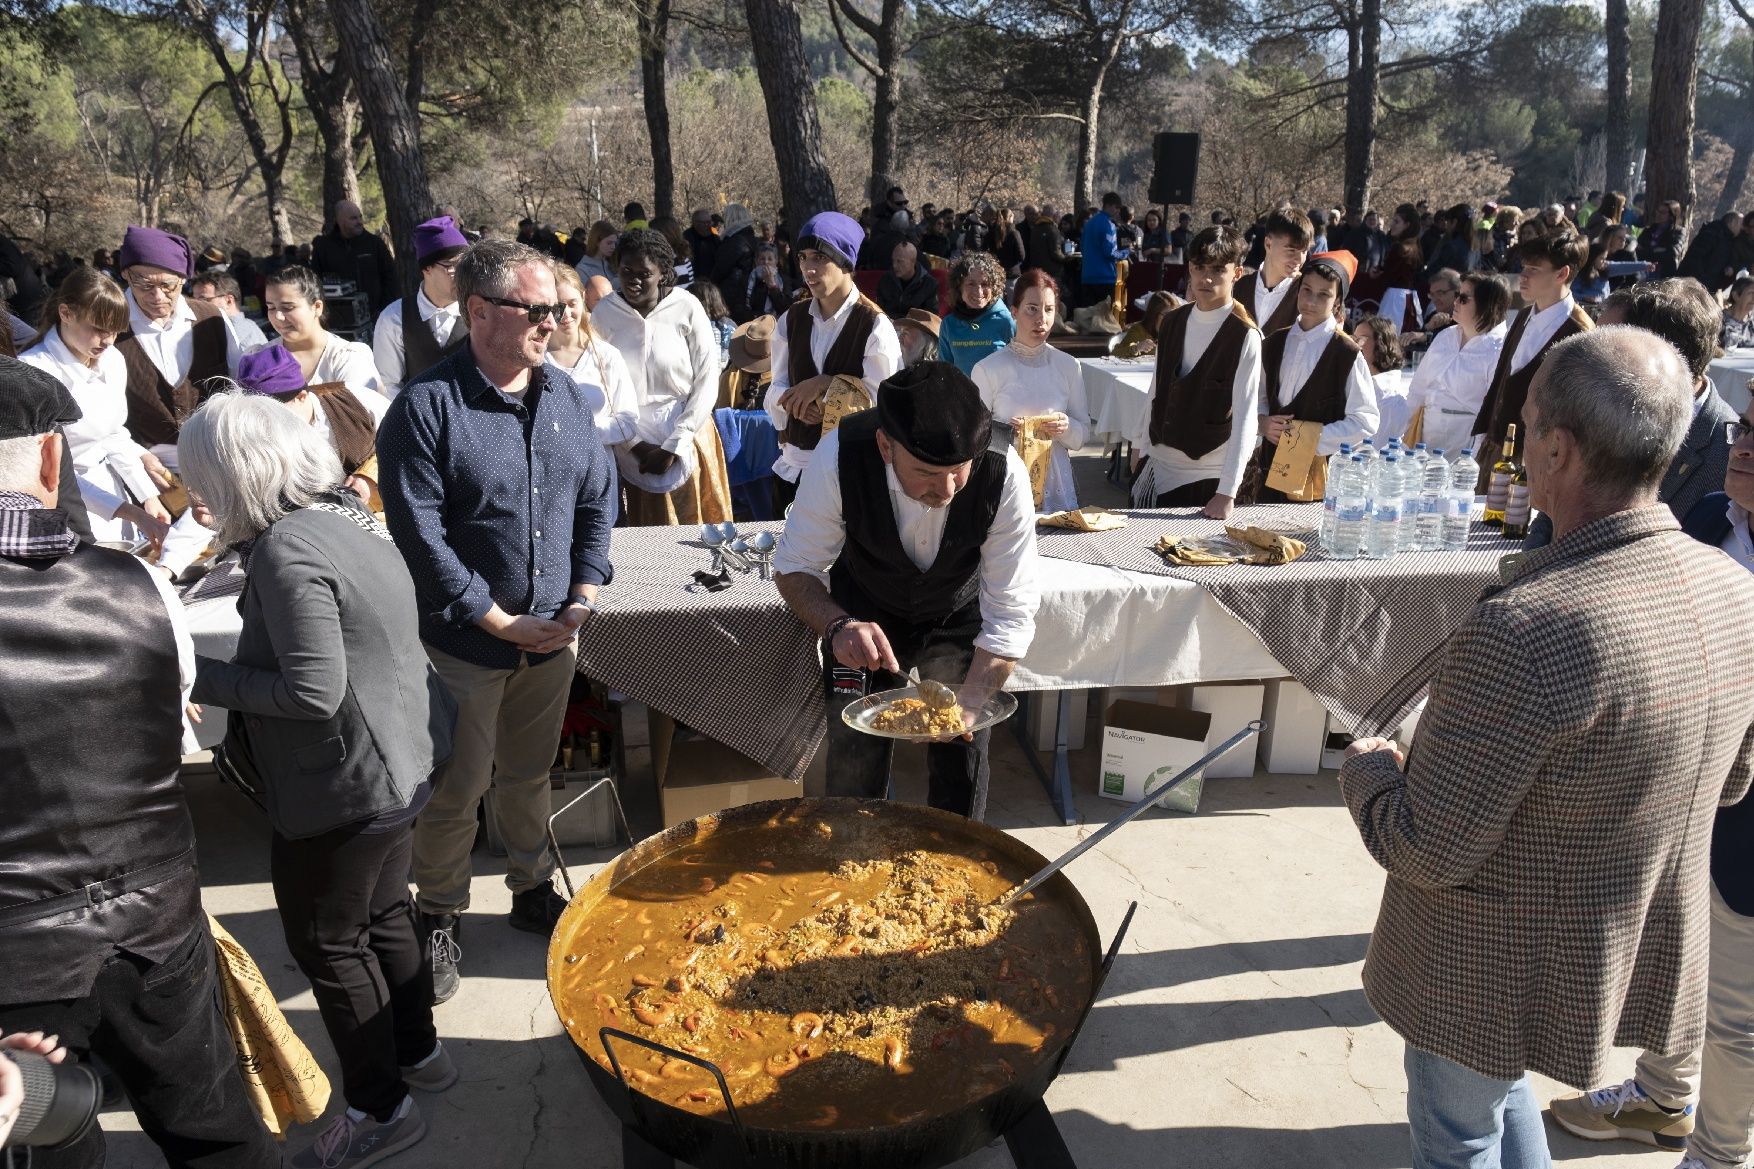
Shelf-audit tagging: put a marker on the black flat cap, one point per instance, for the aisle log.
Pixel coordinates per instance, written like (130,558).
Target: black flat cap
(31,401)
(934,411)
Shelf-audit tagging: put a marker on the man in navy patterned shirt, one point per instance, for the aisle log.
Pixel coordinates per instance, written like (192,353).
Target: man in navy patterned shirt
(497,489)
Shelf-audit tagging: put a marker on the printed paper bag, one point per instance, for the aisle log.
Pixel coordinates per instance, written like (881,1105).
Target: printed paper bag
(846,395)
(1298,470)
(1036,451)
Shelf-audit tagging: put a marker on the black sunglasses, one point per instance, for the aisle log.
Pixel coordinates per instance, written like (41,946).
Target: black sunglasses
(535,312)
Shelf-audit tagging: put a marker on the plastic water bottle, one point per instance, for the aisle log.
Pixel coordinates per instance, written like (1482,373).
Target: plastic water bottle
(1367,449)
(1352,509)
(1337,462)
(1464,474)
(1412,496)
(1421,455)
(1433,503)
(1385,509)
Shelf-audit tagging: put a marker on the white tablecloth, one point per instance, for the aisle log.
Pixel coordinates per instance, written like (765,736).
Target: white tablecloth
(1730,373)
(1097,627)
(1118,392)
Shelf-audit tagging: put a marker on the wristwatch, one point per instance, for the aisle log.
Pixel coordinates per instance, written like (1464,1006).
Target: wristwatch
(588,606)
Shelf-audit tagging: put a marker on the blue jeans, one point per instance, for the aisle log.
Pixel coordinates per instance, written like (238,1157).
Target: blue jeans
(1461,1119)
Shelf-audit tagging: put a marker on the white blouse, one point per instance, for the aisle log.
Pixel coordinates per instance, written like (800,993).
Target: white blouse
(672,359)
(1016,383)
(106,459)
(351,363)
(1451,383)
(601,373)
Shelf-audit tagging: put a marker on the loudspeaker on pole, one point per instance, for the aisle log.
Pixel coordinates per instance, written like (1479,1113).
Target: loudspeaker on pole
(1176,168)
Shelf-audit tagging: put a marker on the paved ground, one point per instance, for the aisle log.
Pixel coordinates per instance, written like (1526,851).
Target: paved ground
(1232,1034)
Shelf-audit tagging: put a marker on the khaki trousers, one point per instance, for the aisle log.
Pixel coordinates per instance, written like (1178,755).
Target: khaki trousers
(508,728)
(1721,1076)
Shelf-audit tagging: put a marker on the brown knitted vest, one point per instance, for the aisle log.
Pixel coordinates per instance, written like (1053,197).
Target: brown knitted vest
(156,409)
(351,425)
(845,356)
(1192,412)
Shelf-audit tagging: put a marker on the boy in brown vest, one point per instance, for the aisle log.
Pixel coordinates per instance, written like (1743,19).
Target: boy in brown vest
(1314,372)
(835,332)
(1199,434)
(352,428)
(1270,295)
(1549,317)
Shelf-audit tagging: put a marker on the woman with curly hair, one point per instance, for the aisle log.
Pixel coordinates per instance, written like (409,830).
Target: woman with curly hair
(979,323)
(673,472)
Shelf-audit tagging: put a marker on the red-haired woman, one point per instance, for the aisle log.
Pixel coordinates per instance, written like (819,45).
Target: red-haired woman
(1030,379)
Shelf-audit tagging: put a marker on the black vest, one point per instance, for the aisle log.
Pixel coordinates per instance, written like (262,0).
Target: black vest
(90,748)
(424,351)
(874,579)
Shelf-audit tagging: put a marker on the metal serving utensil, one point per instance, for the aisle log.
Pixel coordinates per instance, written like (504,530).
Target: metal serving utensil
(1152,796)
(713,539)
(763,545)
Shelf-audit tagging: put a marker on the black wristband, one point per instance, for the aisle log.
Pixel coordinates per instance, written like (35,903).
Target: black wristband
(834,628)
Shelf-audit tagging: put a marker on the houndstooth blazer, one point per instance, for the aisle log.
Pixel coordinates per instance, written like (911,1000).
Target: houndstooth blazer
(1547,846)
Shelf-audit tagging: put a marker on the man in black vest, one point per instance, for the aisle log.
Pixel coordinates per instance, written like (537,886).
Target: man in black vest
(912,544)
(102,937)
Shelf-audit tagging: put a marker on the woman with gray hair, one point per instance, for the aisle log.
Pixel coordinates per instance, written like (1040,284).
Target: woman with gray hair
(336,709)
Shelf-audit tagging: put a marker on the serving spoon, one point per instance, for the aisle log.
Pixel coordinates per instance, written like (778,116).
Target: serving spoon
(1152,796)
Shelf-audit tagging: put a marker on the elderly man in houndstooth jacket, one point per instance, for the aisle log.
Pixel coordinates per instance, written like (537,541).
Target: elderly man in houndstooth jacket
(1547,843)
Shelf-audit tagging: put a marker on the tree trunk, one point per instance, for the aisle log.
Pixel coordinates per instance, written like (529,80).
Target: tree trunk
(1669,138)
(329,95)
(395,133)
(1618,22)
(1737,176)
(778,38)
(1362,84)
(654,36)
(1084,183)
(886,102)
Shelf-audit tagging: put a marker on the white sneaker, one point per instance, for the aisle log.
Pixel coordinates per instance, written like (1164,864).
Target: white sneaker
(1691,1163)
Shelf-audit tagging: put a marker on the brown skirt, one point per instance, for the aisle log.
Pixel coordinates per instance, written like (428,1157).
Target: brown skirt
(704,498)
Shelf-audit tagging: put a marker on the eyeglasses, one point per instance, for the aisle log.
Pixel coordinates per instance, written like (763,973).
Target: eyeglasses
(1738,431)
(162,287)
(1464,298)
(534,312)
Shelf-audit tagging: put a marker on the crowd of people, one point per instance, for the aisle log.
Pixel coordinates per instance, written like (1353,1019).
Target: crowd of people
(424,524)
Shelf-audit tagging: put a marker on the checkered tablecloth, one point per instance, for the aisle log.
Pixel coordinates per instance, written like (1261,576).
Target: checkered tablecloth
(1364,635)
(734,665)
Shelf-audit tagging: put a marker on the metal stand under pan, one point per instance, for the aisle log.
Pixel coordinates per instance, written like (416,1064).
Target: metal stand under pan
(1034,1141)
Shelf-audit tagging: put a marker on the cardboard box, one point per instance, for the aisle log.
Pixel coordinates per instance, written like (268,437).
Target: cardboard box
(1297,722)
(1145,746)
(590,825)
(1334,747)
(1232,705)
(697,775)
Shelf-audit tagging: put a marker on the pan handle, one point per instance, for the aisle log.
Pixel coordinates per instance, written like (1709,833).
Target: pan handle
(605,1034)
(1108,961)
(554,841)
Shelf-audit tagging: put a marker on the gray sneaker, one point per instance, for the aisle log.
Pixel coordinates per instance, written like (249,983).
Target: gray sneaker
(435,1073)
(354,1144)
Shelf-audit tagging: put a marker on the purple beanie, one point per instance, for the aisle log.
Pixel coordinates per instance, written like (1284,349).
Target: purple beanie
(160,249)
(437,236)
(270,371)
(836,234)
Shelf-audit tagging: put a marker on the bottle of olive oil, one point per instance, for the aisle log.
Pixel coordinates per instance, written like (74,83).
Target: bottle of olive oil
(1516,506)
(1503,471)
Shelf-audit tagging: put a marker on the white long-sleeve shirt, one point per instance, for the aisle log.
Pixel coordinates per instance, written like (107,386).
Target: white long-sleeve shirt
(816,532)
(1267,300)
(1303,351)
(351,363)
(1017,383)
(672,359)
(185,644)
(1451,383)
(170,344)
(387,344)
(602,374)
(1540,329)
(1170,468)
(882,358)
(106,459)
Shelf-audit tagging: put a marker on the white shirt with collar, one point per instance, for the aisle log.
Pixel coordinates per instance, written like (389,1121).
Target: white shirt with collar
(1303,350)
(1010,594)
(882,358)
(170,344)
(387,344)
(106,459)
(1540,329)
(1737,541)
(1167,467)
(672,359)
(1267,300)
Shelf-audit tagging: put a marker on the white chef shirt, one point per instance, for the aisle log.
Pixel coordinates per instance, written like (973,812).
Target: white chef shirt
(1303,350)
(816,533)
(106,459)
(387,343)
(1541,327)
(882,358)
(170,344)
(1168,468)
(602,375)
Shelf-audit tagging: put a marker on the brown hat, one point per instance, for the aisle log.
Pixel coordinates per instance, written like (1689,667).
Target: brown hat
(213,255)
(752,345)
(919,318)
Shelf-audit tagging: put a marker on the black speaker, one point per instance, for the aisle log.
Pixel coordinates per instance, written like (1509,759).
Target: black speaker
(1176,169)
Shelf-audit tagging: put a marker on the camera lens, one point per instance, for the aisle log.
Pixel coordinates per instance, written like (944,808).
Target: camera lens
(60,1101)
